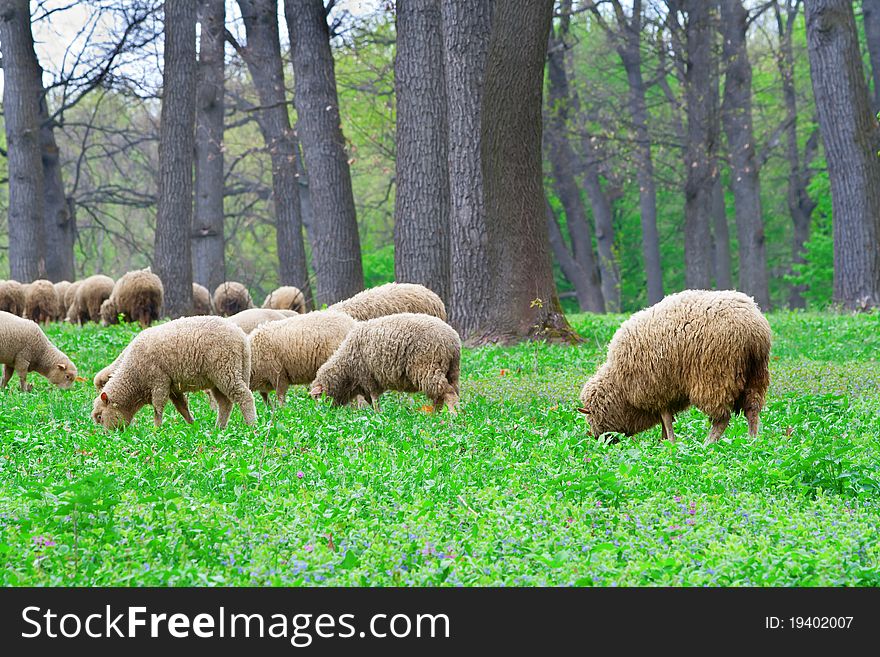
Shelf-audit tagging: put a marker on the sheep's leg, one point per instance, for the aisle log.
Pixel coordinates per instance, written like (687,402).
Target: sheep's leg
(359,402)
(158,399)
(281,391)
(752,418)
(374,401)
(450,399)
(666,420)
(7,374)
(265,396)
(224,408)
(718,427)
(182,405)
(242,396)
(21,368)
(211,401)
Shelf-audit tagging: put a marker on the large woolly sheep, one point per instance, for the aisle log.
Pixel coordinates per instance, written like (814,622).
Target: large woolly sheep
(25,348)
(231,298)
(390,299)
(701,348)
(12,297)
(407,352)
(91,293)
(166,361)
(202,304)
(137,296)
(290,351)
(248,320)
(41,302)
(61,288)
(287,297)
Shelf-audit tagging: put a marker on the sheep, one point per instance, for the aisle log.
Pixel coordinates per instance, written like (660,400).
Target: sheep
(69,296)
(290,351)
(409,352)
(93,292)
(286,298)
(137,296)
(61,288)
(202,304)
(25,348)
(12,297)
(392,298)
(41,302)
(166,361)
(248,320)
(697,347)
(231,298)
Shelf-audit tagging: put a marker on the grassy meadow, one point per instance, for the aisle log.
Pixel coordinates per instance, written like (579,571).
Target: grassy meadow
(513,491)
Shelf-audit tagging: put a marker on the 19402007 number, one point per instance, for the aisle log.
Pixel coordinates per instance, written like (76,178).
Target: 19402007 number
(820,622)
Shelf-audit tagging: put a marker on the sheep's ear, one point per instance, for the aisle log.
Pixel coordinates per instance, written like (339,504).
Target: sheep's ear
(316,391)
(585,411)
(62,366)
(104,398)
(80,379)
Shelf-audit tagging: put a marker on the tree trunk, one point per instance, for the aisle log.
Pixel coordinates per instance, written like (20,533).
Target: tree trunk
(720,239)
(262,54)
(871,16)
(173,255)
(851,137)
(59,229)
(208,243)
(570,267)
(22,88)
(336,249)
(421,210)
(603,216)
(523,302)
(701,144)
(745,183)
(466,27)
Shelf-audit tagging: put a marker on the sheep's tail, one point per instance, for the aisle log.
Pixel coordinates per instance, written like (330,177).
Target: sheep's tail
(757,382)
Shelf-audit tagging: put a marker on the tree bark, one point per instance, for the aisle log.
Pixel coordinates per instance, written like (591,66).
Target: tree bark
(466,28)
(603,217)
(336,249)
(720,239)
(173,255)
(59,229)
(851,137)
(523,303)
(208,243)
(871,16)
(22,89)
(262,54)
(736,114)
(421,210)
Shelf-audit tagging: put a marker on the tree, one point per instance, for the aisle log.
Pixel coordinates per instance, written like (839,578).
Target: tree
(851,137)
(59,228)
(174,207)
(523,301)
(421,210)
(262,54)
(871,17)
(22,90)
(208,244)
(336,250)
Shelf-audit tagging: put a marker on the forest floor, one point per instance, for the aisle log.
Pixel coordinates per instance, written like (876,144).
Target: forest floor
(513,491)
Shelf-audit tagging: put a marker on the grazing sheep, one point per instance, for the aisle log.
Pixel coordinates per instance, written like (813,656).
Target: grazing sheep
(408,352)
(25,348)
(166,361)
(137,296)
(202,304)
(286,298)
(231,298)
(69,296)
(248,320)
(290,352)
(390,299)
(41,302)
(92,292)
(61,288)
(709,349)
(12,298)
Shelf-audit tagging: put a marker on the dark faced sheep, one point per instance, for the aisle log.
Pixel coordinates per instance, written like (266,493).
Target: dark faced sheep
(287,297)
(137,296)
(12,298)
(41,302)
(701,348)
(392,298)
(231,298)
(202,304)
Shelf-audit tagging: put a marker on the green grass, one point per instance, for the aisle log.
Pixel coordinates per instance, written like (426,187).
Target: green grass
(512,492)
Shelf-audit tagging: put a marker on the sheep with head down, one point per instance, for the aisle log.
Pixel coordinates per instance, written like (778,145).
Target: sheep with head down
(61,288)
(231,298)
(41,302)
(89,296)
(248,320)
(137,296)
(12,297)
(286,297)
(702,348)
(25,348)
(390,299)
(202,303)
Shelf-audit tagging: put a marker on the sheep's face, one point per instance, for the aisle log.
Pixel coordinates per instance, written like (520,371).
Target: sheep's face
(63,375)
(339,395)
(108,313)
(604,412)
(108,414)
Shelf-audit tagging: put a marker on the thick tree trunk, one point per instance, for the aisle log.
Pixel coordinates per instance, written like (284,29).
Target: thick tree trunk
(523,303)
(871,16)
(208,243)
(336,249)
(59,229)
(720,239)
(466,27)
(262,54)
(173,255)
(421,210)
(22,88)
(745,183)
(851,137)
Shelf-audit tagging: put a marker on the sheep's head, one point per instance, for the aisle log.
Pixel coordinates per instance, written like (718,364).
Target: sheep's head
(340,395)
(63,374)
(108,313)
(108,413)
(601,406)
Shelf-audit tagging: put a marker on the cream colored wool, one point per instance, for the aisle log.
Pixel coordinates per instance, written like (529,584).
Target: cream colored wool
(287,297)
(231,298)
(166,361)
(407,352)
(25,348)
(390,299)
(290,351)
(12,297)
(69,296)
(61,288)
(248,320)
(202,303)
(91,293)
(697,347)
(41,302)
(137,296)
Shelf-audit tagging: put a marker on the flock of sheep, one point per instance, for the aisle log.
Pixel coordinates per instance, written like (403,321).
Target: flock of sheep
(704,348)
